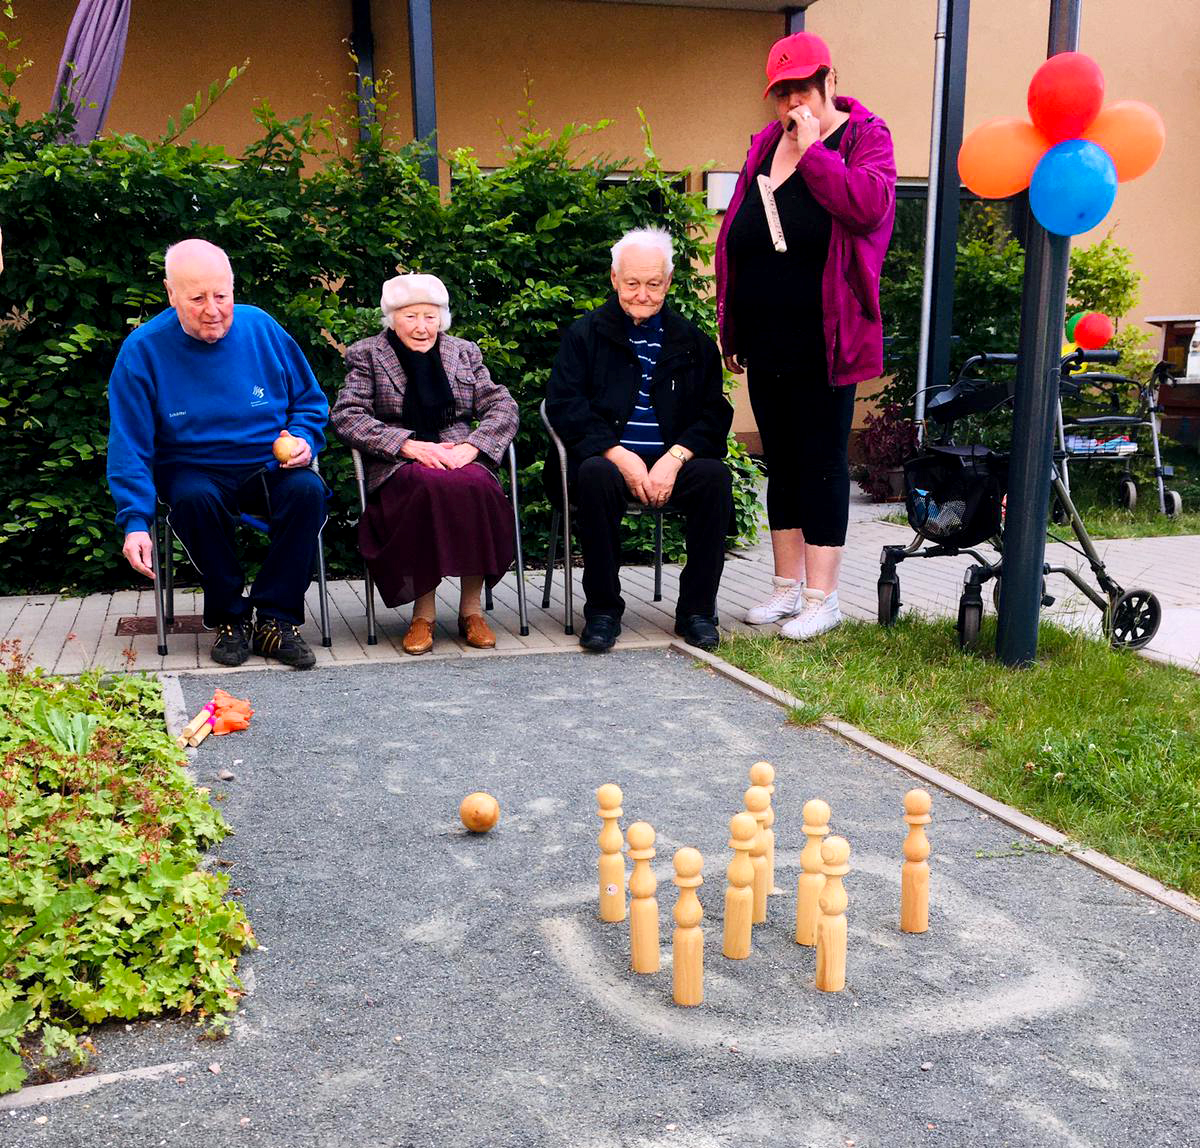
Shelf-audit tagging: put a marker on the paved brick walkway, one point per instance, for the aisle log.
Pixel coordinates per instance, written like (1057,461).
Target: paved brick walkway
(67,635)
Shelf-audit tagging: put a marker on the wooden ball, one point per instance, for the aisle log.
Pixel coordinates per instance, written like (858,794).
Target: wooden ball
(479,812)
(284,446)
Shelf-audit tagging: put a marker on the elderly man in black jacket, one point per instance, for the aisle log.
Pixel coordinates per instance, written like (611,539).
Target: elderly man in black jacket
(636,396)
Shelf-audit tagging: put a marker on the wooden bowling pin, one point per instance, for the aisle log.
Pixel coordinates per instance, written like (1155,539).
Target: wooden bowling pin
(644,955)
(763,773)
(812,877)
(739,894)
(687,942)
(612,861)
(831,928)
(914,873)
(758,800)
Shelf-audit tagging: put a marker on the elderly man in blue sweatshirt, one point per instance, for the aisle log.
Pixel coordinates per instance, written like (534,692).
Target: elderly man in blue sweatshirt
(196,400)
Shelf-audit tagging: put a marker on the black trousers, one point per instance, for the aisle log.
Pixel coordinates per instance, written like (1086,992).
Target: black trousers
(805,428)
(703,494)
(206,505)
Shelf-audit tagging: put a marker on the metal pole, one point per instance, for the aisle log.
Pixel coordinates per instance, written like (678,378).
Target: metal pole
(941,217)
(793,19)
(362,44)
(424,101)
(1043,303)
(931,208)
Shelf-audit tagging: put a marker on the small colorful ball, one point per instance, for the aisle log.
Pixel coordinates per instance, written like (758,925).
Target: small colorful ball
(479,812)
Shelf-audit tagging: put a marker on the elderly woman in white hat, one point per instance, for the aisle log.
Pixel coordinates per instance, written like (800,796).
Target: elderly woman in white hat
(435,507)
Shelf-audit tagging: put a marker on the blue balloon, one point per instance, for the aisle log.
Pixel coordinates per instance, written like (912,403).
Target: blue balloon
(1073,187)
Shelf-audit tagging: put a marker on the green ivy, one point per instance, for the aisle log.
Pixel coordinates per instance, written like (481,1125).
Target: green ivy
(312,229)
(104,910)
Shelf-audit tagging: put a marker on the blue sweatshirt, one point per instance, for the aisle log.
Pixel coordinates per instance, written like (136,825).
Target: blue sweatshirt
(176,399)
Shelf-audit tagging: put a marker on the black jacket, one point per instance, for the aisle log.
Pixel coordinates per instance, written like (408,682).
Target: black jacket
(595,379)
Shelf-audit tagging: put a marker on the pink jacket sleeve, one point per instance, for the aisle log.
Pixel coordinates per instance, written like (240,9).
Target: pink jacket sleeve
(857,191)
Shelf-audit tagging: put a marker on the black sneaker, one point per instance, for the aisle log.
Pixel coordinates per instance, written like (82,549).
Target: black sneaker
(600,632)
(699,630)
(232,646)
(282,641)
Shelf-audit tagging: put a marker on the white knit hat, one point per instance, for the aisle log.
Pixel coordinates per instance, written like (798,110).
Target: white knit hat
(405,290)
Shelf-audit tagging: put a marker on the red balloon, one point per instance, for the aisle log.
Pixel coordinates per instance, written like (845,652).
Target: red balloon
(1093,331)
(997,159)
(1132,133)
(1065,95)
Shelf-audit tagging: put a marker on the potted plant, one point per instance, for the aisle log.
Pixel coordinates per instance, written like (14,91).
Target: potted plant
(887,439)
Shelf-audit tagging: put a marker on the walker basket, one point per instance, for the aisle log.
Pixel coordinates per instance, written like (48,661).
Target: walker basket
(953,493)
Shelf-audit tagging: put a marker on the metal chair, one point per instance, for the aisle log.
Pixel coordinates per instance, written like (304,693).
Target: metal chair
(564,515)
(164,573)
(360,476)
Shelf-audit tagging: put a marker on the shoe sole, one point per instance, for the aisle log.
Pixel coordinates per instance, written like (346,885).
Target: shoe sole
(226,660)
(809,637)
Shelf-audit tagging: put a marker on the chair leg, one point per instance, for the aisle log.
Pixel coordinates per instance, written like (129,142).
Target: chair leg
(658,533)
(522,608)
(323,595)
(168,573)
(487,596)
(550,554)
(568,581)
(160,628)
(372,637)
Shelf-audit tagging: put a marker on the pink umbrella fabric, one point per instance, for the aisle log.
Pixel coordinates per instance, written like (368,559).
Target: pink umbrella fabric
(96,47)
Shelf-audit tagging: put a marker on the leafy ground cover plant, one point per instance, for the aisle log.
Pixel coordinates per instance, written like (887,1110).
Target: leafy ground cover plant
(104,910)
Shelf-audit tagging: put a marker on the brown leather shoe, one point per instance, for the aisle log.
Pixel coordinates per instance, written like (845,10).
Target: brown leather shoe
(476,631)
(419,639)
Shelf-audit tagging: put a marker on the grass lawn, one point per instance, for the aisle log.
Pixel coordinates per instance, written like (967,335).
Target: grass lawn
(1102,744)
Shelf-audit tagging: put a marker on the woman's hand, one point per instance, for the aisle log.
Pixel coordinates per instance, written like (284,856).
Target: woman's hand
(430,454)
(734,365)
(459,455)
(807,131)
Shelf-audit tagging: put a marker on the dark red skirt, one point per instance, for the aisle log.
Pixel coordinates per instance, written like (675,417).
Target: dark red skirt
(422,525)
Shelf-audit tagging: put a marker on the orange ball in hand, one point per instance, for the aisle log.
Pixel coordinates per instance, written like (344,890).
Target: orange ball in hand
(479,812)
(284,446)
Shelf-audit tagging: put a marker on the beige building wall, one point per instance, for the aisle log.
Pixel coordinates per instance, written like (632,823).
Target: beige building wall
(697,73)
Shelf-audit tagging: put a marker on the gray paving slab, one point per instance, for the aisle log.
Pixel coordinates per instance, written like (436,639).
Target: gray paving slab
(421,986)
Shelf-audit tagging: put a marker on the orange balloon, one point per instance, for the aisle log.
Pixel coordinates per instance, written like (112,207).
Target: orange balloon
(1132,133)
(997,159)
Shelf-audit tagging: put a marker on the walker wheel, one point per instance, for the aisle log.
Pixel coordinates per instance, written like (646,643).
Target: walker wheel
(1173,501)
(970,615)
(1132,620)
(1127,494)
(889,600)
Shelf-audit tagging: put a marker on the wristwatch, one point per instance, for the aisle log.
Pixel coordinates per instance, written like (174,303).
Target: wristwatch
(679,453)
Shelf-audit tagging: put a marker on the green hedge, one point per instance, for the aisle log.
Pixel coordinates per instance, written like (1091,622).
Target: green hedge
(312,229)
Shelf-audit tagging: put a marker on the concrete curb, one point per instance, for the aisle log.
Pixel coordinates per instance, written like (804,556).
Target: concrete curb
(1030,826)
(79,1085)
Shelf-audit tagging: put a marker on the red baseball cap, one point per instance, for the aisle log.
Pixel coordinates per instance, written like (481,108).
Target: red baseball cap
(796,57)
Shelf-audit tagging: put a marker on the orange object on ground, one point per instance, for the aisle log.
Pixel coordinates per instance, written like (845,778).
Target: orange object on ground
(230,713)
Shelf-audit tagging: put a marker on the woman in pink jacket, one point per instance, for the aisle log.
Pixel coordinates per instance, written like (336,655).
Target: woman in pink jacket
(797,264)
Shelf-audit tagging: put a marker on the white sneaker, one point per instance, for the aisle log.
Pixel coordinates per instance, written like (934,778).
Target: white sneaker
(819,613)
(783,603)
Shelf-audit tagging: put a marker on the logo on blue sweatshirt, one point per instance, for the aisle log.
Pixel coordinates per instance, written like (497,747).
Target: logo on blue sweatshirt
(258,397)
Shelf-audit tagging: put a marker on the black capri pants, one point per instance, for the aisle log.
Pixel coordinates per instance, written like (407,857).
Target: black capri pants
(805,429)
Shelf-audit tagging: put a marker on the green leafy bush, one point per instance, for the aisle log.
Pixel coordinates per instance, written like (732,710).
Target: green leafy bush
(312,231)
(104,912)
(988,279)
